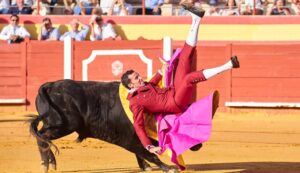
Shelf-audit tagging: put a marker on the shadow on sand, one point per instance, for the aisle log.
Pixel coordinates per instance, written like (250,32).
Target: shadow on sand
(110,170)
(239,167)
(248,167)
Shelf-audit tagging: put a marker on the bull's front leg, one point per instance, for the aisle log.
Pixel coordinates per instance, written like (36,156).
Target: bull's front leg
(154,159)
(143,164)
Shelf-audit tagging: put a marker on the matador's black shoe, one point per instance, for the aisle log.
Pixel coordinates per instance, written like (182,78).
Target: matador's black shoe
(235,62)
(190,7)
(196,147)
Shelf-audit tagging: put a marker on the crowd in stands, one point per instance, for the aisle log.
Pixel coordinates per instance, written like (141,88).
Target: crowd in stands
(99,30)
(152,7)
(15,33)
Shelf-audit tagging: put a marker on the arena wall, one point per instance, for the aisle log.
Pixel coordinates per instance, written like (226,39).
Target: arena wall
(269,72)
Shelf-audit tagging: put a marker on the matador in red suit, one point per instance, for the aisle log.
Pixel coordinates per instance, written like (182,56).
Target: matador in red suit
(147,97)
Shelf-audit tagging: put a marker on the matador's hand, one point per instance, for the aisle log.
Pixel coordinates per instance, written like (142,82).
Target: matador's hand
(154,149)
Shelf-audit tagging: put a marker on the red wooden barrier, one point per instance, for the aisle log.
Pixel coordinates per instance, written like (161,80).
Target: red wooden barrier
(44,63)
(269,71)
(12,71)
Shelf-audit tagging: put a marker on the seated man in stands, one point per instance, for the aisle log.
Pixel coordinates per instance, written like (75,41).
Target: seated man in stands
(295,6)
(48,32)
(231,9)
(101,30)
(105,5)
(279,8)
(4,6)
(86,7)
(78,35)
(13,33)
(21,7)
(152,7)
(249,7)
(69,6)
(120,8)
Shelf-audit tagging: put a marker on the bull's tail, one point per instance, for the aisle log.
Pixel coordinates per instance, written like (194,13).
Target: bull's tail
(34,132)
(34,129)
(35,122)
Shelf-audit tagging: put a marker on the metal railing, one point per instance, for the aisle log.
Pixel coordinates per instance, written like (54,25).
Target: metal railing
(174,8)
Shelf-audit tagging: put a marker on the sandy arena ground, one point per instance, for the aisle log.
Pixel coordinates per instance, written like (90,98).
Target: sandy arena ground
(240,142)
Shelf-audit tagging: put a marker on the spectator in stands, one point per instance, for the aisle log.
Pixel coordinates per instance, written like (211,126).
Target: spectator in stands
(69,6)
(249,7)
(21,7)
(48,32)
(13,33)
(231,9)
(51,3)
(152,7)
(213,2)
(295,6)
(78,35)
(86,7)
(44,8)
(120,8)
(279,8)
(213,11)
(105,5)
(101,30)
(4,6)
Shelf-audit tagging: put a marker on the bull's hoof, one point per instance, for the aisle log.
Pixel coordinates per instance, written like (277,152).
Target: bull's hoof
(172,171)
(149,168)
(52,166)
(44,168)
(78,140)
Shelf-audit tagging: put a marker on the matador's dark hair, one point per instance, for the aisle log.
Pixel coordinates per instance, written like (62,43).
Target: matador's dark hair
(125,80)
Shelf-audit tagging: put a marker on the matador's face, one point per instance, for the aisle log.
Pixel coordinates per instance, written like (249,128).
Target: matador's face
(136,80)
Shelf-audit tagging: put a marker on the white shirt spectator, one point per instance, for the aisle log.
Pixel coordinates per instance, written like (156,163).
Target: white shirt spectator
(86,1)
(77,35)
(4,4)
(105,5)
(9,30)
(229,12)
(27,2)
(117,10)
(106,31)
(295,7)
(258,4)
(153,3)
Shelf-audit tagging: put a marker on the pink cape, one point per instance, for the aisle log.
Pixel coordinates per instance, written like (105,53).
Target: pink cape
(179,133)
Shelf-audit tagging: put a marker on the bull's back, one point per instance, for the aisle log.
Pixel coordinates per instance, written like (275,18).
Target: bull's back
(93,109)
(77,93)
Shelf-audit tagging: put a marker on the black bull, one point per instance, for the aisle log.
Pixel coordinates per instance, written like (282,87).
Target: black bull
(92,109)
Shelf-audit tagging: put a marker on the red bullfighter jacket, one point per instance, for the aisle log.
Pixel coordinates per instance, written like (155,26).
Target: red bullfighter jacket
(152,99)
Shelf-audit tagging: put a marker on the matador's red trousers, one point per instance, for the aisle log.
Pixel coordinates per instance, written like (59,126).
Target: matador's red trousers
(184,79)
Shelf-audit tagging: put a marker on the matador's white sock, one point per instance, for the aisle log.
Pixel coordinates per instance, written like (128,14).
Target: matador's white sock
(193,32)
(208,73)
